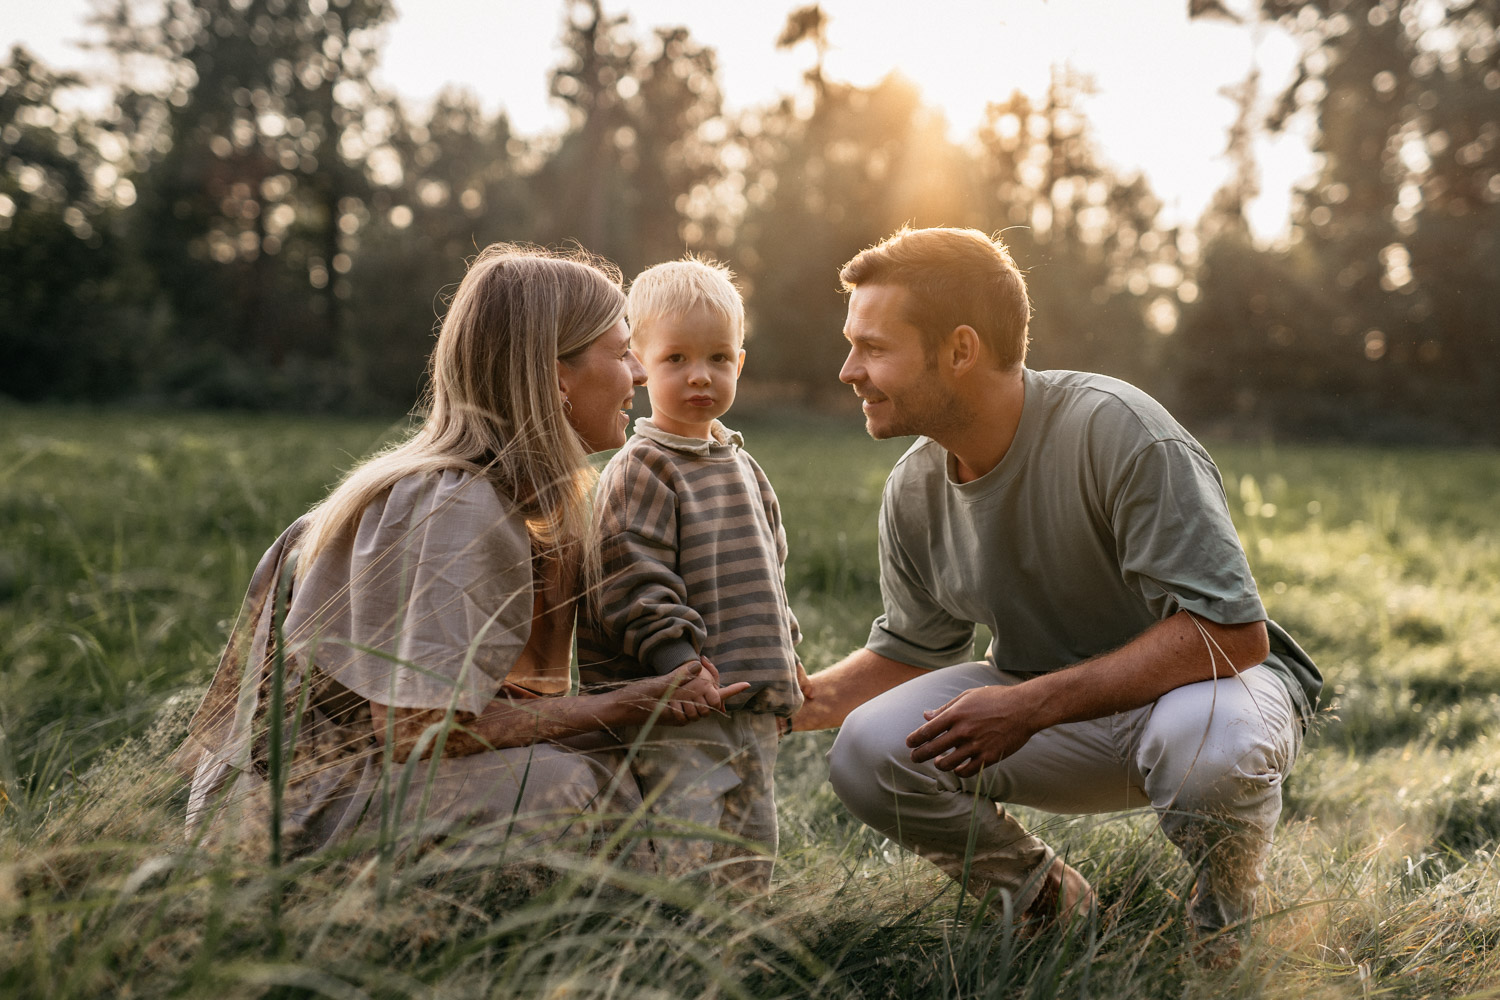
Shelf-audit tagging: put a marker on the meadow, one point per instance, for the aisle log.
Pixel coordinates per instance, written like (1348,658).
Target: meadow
(126,540)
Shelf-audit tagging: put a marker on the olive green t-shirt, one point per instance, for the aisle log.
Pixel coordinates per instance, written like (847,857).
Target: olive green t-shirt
(1103,517)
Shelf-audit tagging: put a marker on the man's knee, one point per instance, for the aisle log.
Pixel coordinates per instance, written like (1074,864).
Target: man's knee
(1200,763)
(868,765)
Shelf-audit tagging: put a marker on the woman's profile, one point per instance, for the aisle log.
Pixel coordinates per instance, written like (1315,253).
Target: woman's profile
(418,621)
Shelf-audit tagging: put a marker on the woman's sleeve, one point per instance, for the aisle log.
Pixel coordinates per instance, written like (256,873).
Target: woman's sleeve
(439,595)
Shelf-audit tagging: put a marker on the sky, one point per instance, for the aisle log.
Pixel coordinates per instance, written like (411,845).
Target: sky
(1158,106)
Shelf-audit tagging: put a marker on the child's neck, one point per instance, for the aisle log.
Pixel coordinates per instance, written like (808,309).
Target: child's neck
(702,431)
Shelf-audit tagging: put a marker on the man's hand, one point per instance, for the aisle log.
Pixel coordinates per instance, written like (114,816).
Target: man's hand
(804,682)
(784,722)
(832,693)
(984,725)
(979,727)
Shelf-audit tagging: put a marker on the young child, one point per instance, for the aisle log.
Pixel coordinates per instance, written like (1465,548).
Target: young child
(694,558)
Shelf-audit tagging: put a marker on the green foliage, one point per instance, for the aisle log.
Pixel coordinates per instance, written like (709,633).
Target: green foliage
(128,540)
(60,262)
(1379,321)
(253,224)
(110,600)
(279,234)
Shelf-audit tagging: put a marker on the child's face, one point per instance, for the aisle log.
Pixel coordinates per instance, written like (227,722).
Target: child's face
(692,366)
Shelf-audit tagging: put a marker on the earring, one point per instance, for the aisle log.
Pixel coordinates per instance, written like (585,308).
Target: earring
(567,406)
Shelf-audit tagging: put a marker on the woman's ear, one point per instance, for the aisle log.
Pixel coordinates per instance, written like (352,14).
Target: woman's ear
(564,378)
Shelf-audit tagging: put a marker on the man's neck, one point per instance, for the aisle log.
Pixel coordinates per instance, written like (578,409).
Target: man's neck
(980,443)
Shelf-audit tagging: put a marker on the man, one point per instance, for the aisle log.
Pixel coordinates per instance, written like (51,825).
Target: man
(1132,663)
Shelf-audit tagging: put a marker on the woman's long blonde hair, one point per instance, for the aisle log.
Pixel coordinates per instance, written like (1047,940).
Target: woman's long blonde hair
(494,407)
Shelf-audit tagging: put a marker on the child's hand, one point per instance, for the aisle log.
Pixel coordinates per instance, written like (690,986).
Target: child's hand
(725,692)
(702,693)
(692,692)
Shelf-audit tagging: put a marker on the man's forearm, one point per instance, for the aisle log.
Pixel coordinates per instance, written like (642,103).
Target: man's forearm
(831,694)
(986,724)
(1168,655)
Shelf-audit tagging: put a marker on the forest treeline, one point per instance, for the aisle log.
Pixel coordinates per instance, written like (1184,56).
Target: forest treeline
(253,223)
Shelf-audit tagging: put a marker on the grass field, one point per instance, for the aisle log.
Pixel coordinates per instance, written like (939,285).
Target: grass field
(126,541)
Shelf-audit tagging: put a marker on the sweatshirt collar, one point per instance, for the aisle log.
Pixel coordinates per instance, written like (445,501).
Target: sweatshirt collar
(723,438)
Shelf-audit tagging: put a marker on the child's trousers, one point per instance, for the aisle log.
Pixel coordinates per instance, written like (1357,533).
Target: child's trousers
(715,774)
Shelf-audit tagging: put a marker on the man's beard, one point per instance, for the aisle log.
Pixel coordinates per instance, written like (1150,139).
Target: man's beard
(928,411)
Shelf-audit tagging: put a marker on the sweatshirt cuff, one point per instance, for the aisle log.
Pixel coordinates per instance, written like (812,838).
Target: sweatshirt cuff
(671,655)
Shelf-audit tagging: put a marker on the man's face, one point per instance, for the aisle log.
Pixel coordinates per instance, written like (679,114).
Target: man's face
(902,389)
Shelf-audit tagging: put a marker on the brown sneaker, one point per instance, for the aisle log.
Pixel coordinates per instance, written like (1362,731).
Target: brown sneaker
(1064,898)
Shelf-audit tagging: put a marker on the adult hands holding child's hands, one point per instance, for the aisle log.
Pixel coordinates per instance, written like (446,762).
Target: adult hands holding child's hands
(692,691)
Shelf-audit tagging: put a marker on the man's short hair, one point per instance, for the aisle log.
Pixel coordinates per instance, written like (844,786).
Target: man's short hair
(680,286)
(956,277)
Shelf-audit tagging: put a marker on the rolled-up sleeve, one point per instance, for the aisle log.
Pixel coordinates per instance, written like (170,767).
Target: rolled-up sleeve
(1176,544)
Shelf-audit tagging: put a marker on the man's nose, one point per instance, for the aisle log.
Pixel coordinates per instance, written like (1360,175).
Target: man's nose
(850,373)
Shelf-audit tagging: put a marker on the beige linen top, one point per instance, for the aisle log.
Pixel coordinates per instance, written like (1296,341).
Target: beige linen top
(430,602)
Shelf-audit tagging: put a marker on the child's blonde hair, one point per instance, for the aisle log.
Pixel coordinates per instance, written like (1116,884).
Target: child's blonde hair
(680,286)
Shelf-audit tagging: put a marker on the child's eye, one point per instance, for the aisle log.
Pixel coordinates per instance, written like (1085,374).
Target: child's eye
(674,359)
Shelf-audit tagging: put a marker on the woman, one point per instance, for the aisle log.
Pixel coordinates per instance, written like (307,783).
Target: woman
(418,621)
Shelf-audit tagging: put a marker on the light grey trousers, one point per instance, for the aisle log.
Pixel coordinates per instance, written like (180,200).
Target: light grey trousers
(1208,757)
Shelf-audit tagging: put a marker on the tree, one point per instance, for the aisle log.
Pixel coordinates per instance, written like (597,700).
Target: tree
(441,189)
(1095,257)
(830,172)
(635,175)
(58,337)
(1401,221)
(250,213)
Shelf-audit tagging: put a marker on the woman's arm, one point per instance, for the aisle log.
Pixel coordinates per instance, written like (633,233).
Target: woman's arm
(686,694)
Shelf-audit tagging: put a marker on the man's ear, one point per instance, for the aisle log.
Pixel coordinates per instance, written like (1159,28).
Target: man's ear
(962,350)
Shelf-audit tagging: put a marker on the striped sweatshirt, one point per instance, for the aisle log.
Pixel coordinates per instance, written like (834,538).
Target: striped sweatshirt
(694,561)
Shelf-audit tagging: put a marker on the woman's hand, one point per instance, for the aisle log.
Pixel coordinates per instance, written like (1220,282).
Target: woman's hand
(691,691)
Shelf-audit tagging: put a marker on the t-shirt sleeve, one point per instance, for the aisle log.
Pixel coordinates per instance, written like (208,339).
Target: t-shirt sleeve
(1176,544)
(643,608)
(914,629)
(439,595)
